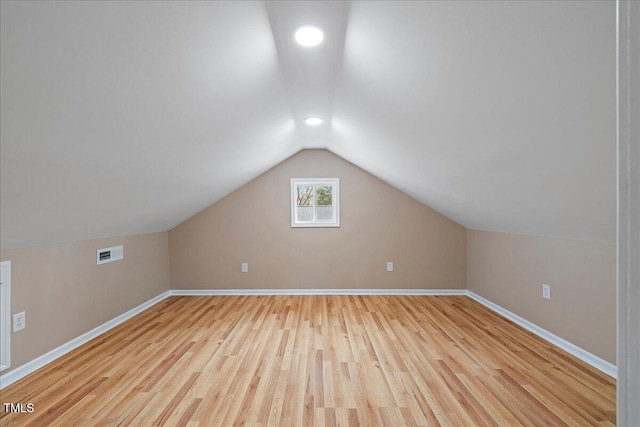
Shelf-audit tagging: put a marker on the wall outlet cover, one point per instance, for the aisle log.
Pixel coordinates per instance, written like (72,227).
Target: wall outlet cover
(19,321)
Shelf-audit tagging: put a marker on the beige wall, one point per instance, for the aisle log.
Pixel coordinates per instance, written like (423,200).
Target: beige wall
(378,224)
(509,270)
(65,294)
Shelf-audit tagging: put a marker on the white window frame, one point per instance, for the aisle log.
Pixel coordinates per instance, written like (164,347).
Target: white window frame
(335,201)
(5,322)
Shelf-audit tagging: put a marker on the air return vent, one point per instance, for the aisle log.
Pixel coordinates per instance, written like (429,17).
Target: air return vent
(109,254)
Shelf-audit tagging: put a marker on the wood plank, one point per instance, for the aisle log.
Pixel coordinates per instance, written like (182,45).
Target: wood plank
(315,360)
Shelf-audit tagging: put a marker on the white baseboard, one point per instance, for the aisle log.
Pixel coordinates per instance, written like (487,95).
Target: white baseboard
(213,292)
(585,356)
(29,367)
(39,362)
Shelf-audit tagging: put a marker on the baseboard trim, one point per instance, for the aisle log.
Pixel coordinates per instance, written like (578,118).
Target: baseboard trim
(593,360)
(41,361)
(214,292)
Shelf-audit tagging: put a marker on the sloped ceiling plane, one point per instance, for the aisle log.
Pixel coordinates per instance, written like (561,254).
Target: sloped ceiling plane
(128,117)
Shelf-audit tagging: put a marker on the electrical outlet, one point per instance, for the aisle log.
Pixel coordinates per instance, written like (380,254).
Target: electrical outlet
(546,291)
(19,322)
(390,266)
(245,267)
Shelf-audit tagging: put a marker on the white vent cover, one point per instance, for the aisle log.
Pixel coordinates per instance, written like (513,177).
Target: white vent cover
(109,254)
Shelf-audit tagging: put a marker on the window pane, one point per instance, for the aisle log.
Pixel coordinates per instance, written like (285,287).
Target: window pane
(324,195)
(304,213)
(305,195)
(324,213)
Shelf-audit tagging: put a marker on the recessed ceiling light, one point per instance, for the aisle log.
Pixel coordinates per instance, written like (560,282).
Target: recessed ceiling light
(313,121)
(309,35)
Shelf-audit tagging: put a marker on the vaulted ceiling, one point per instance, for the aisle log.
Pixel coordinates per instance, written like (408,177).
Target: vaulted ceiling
(128,117)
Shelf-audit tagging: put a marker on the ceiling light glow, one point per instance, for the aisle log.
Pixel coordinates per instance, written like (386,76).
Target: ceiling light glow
(309,35)
(313,121)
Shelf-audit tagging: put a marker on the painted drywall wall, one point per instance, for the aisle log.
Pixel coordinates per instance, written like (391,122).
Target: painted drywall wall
(378,224)
(65,294)
(509,270)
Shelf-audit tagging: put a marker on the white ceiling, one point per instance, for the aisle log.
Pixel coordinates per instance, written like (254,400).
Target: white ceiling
(128,117)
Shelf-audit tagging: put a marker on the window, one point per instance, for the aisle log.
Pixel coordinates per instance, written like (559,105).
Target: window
(315,202)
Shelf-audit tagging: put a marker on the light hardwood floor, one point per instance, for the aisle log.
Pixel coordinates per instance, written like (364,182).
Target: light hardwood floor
(315,360)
